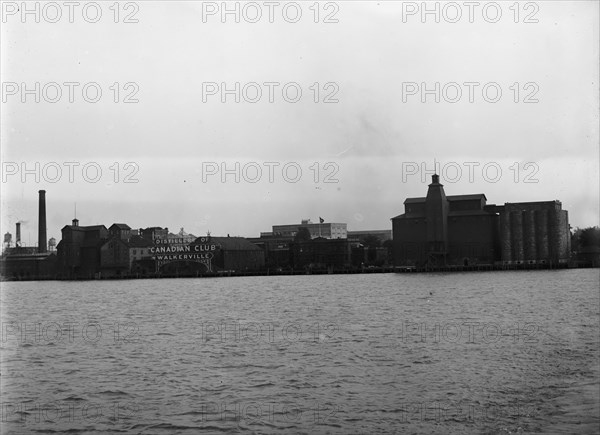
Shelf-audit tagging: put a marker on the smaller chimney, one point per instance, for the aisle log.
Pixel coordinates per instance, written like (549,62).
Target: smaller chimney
(18,239)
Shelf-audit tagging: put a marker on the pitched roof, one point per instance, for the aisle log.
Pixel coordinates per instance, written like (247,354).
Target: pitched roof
(87,228)
(466,197)
(121,226)
(448,197)
(409,216)
(414,200)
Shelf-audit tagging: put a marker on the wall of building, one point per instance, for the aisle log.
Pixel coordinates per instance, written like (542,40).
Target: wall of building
(325,230)
(321,253)
(534,232)
(410,241)
(242,261)
(472,239)
(276,251)
(29,267)
(79,251)
(114,257)
(476,233)
(382,235)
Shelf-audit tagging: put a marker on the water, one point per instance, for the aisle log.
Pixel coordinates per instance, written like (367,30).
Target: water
(493,352)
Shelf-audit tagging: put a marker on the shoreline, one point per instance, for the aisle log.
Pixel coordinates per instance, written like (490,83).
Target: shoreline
(330,271)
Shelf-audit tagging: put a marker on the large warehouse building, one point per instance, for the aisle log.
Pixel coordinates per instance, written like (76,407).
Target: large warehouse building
(440,230)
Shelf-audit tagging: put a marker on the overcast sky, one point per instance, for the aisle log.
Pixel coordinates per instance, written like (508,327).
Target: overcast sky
(371,142)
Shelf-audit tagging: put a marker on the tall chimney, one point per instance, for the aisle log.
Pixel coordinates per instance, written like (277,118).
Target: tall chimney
(18,237)
(42,241)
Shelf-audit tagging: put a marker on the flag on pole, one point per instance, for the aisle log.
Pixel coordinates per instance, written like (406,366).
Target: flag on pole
(321,220)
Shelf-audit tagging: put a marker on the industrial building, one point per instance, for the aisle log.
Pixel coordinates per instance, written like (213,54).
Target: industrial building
(92,252)
(325,230)
(382,235)
(28,262)
(439,230)
(321,253)
(331,246)
(434,231)
(79,250)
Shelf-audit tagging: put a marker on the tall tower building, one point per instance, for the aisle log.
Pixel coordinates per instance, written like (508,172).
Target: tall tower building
(436,213)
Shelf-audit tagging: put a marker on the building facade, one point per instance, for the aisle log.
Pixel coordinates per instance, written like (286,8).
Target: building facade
(276,250)
(79,250)
(439,230)
(325,230)
(28,262)
(382,235)
(321,253)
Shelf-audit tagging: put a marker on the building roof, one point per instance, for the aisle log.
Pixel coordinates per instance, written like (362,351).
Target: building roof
(181,236)
(36,256)
(311,225)
(121,226)
(408,216)
(449,198)
(456,213)
(88,228)
(369,232)
(414,200)
(466,197)
(321,240)
(232,243)
(382,234)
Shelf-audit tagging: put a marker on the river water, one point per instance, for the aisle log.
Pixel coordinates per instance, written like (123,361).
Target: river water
(490,352)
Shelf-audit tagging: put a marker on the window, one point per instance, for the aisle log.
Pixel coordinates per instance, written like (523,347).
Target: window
(134,252)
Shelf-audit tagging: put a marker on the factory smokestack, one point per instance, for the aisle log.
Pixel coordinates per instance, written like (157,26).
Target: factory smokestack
(18,236)
(42,241)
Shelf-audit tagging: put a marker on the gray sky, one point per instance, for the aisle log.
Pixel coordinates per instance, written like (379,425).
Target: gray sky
(368,144)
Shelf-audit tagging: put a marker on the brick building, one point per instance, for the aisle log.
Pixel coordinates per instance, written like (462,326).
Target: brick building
(325,230)
(321,253)
(79,250)
(439,230)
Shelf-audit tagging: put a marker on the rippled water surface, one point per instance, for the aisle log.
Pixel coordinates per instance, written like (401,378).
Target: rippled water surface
(493,352)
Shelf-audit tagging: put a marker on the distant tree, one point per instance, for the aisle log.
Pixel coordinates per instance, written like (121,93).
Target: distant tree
(302,235)
(585,238)
(371,241)
(590,236)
